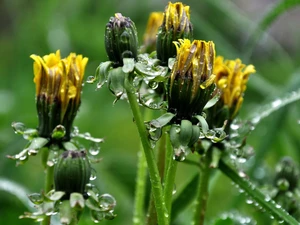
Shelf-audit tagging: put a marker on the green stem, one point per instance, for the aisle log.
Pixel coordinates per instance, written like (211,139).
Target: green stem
(265,202)
(202,195)
(138,214)
(48,180)
(151,215)
(170,177)
(162,213)
(140,188)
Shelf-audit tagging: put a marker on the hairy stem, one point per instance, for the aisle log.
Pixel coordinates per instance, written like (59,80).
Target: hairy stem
(162,213)
(140,188)
(265,202)
(151,215)
(171,167)
(49,170)
(202,195)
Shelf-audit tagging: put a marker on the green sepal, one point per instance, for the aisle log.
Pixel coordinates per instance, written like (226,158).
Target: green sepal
(115,82)
(128,65)
(195,135)
(38,143)
(213,100)
(162,120)
(203,124)
(69,146)
(185,133)
(77,201)
(174,135)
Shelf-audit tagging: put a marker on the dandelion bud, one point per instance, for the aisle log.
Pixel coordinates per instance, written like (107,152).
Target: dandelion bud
(286,172)
(72,172)
(176,25)
(120,39)
(58,91)
(191,83)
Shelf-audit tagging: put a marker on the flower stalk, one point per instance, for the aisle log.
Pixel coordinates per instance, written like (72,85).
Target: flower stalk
(162,213)
(202,195)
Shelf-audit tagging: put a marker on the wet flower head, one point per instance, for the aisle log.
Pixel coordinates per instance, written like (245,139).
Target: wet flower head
(120,39)
(231,78)
(154,22)
(177,17)
(176,25)
(58,90)
(191,81)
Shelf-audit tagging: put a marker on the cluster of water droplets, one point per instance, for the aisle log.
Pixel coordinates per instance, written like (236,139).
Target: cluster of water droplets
(101,206)
(237,218)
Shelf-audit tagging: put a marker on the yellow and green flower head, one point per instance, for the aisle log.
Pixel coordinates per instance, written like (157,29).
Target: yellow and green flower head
(58,90)
(154,22)
(121,39)
(231,78)
(176,25)
(191,83)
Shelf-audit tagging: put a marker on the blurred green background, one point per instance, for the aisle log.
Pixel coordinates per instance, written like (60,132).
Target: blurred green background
(41,27)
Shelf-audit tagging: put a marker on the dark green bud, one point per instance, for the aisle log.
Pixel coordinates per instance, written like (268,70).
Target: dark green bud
(72,172)
(176,25)
(287,175)
(121,39)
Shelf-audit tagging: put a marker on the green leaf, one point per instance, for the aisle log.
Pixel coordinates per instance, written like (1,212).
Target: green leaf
(185,197)
(17,190)
(277,10)
(227,221)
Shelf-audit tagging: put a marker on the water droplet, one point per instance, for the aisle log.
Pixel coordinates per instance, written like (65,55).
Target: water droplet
(93,175)
(36,198)
(32,152)
(276,103)
(177,130)
(91,79)
(234,126)
(153,84)
(97,216)
(179,154)
(58,132)
(267,198)
(29,134)
(249,201)
(94,148)
(174,190)
(107,202)
(18,127)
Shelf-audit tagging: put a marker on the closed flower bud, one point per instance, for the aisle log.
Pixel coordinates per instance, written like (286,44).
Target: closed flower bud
(58,90)
(286,171)
(231,78)
(176,25)
(72,172)
(191,83)
(154,22)
(121,39)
